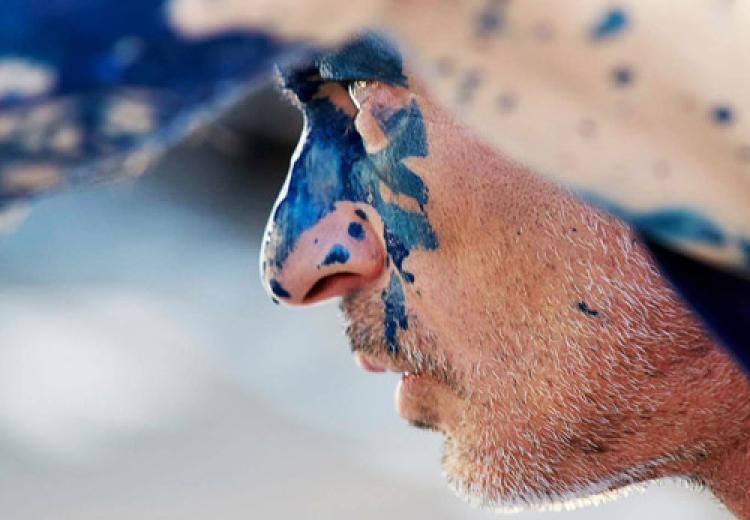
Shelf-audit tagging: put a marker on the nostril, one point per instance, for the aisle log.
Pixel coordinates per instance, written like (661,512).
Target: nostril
(333,284)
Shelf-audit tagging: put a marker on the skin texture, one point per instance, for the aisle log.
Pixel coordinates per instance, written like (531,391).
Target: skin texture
(553,357)
(538,336)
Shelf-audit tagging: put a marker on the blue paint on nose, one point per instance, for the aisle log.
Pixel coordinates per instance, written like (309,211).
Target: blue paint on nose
(395,313)
(333,166)
(278,289)
(337,255)
(356,231)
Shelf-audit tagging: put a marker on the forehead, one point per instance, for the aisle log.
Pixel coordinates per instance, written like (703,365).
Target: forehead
(369,57)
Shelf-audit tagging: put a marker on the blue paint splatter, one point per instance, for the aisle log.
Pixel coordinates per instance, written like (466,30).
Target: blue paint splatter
(623,76)
(722,114)
(584,308)
(395,313)
(491,18)
(361,214)
(278,289)
(356,231)
(613,22)
(333,166)
(337,255)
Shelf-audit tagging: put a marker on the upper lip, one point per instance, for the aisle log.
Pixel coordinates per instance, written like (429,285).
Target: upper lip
(375,364)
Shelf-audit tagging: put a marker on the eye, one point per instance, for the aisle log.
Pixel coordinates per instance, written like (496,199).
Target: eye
(360,90)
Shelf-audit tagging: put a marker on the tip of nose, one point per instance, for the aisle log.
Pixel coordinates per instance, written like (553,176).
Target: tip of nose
(278,290)
(339,254)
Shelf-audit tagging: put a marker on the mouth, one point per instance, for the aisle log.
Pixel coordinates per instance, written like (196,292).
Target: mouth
(412,391)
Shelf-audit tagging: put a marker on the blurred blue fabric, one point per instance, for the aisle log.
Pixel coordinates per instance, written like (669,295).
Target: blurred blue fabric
(91,89)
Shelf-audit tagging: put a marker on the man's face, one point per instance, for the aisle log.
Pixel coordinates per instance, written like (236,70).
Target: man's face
(532,330)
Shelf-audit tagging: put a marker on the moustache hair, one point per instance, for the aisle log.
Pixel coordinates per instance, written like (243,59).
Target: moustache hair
(417,352)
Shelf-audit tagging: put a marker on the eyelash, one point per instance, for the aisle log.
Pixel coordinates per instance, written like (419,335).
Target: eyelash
(359,84)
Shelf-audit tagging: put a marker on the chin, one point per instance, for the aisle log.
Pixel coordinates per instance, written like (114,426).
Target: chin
(509,480)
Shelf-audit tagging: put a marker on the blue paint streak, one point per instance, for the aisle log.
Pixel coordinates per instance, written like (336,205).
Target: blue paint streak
(395,313)
(278,289)
(334,166)
(356,231)
(613,22)
(337,255)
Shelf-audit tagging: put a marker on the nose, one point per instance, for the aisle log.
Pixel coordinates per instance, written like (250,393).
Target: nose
(337,255)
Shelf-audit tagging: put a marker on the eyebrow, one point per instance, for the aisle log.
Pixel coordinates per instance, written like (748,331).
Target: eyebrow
(370,56)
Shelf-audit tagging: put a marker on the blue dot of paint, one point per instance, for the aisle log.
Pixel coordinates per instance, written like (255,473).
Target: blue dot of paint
(723,115)
(356,231)
(337,255)
(622,76)
(612,23)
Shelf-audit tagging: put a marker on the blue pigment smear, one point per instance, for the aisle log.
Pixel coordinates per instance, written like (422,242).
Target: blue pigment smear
(369,57)
(278,289)
(337,255)
(723,115)
(361,214)
(333,166)
(356,231)
(613,22)
(395,313)
(584,308)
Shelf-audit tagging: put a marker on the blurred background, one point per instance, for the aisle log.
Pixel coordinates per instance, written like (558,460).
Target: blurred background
(145,374)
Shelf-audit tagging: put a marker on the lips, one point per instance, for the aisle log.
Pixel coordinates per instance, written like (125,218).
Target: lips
(372,364)
(411,388)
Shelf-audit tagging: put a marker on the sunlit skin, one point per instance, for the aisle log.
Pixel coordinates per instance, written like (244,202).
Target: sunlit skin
(541,341)
(533,331)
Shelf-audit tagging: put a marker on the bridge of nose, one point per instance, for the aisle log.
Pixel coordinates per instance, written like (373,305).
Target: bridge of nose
(308,235)
(342,249)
